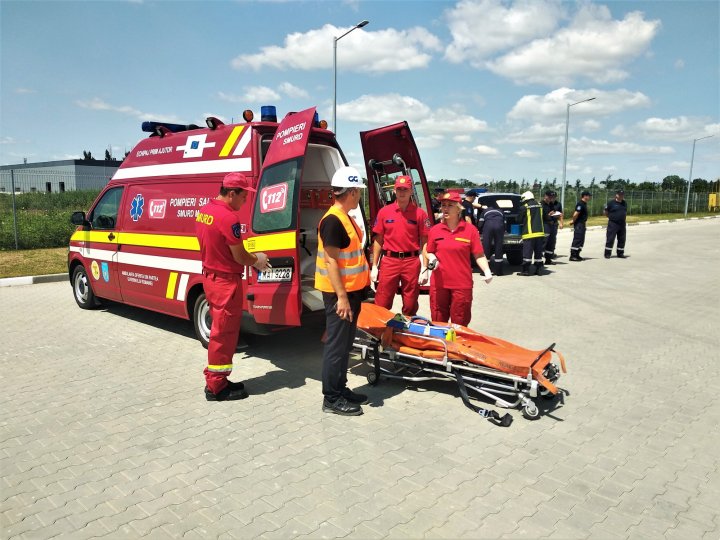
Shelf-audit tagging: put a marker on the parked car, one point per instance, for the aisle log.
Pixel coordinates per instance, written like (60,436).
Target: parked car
(509,204)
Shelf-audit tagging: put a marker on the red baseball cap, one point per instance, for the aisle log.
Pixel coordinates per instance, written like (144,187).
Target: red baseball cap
(235,180)
(403,182)
(452,197)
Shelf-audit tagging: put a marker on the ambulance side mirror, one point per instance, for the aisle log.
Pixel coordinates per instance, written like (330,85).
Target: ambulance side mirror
(78,218)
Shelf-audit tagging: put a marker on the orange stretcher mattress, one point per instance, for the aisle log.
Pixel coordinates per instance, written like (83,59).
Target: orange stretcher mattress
(468,346)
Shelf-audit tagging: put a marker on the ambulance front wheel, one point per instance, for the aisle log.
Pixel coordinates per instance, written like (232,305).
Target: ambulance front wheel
(82,289)
(202,320)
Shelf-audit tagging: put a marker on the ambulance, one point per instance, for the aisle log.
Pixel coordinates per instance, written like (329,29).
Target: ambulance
(137,245)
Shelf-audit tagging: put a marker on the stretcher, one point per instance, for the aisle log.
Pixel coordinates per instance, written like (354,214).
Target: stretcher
(419,350)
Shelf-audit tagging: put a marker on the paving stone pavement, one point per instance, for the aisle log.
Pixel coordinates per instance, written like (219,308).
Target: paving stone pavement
(105,431)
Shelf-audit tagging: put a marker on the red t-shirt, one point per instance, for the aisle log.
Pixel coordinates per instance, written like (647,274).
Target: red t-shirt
(217,227)
(401,230)
(453,250)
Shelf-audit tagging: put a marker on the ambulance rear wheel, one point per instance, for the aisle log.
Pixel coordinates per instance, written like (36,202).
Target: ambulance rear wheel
(202,320)
(82,289)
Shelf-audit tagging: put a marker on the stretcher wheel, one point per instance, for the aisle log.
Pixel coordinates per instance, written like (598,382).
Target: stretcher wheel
(372,378)
(531,411)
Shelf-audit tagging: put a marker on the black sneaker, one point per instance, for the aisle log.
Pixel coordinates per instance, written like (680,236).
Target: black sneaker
(352,397)
(342,407)
(226,394)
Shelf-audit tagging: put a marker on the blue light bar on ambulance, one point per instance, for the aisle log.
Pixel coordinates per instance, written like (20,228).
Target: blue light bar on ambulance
(151,127)
(268,113)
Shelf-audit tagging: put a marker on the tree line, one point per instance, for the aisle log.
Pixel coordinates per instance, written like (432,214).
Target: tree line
(672,183)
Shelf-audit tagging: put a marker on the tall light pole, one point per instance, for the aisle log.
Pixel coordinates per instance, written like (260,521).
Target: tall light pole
(335,40)
(692,158)
(567,128)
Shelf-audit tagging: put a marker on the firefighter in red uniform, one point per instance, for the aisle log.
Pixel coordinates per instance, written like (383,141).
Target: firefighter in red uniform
(400,230)
(224,259)
(449,247)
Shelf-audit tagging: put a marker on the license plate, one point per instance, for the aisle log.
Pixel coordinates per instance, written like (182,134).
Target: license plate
(275,274)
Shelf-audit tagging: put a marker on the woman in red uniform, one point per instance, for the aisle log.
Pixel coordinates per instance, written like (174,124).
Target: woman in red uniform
(449,247)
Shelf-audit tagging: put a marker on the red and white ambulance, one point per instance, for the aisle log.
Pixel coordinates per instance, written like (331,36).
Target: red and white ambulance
(136,245)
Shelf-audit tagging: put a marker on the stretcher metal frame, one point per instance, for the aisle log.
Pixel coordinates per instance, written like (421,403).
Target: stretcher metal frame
(506,390)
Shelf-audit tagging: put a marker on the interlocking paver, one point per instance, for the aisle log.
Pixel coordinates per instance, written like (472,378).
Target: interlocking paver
(631,453)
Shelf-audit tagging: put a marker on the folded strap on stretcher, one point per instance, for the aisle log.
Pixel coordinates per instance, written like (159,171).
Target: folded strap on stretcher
(492,416)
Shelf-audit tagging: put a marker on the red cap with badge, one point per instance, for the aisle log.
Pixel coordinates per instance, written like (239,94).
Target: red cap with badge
(451,196)
(403,182)
(236,180)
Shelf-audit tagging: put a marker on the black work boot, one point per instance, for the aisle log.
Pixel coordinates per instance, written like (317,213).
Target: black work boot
(353,397)
(525,269)
(498,270)
(539,269)
(226,394)
(342,407)
(548,261)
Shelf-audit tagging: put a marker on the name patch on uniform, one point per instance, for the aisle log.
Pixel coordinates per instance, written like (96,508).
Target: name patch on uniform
(236,230)
(466,240)
(412,222)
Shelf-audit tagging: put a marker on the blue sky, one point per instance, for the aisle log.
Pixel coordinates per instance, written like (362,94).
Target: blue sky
(483,84)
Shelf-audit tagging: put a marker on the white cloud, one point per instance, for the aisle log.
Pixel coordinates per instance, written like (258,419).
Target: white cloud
(653,168)
(480,29)
(538,134)
(586,147)
(7,140)
(97,104)
(260,94)
(293,91)
(553,105)
(679,63)
(485,150)
(526,154)
(464,161)
(591,125)
(462,138)
(25,91)
(387,108)
(358,51)
(593,47)
(675,129)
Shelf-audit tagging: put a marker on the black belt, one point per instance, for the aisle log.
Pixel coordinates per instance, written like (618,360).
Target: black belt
(400,254)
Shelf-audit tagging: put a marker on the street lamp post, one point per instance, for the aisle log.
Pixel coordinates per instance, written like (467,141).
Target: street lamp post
(692,158)
(567,128)
(335,40)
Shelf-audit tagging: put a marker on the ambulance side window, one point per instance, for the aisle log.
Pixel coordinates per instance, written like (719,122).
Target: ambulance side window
(275,208)
(104,215)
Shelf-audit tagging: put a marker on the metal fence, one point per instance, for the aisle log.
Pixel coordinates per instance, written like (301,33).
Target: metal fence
(638,202)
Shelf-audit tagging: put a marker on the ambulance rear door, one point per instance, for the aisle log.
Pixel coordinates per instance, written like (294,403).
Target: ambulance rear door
(389,152)
(274,297)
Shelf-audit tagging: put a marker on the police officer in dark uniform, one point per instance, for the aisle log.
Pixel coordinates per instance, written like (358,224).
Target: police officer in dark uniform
(491,225)
(579,218)
(435,204)
(616,212)
(469,206)
(552,220)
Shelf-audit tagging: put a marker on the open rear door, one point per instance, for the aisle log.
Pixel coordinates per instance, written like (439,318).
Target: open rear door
(389,152)
(274,295)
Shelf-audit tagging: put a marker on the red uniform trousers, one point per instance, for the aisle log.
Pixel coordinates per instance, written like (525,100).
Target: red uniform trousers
(450,305)
(396,273)
(224,294)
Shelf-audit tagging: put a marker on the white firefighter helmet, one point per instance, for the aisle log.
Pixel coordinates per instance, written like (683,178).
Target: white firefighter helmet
(347,177)
(527,196)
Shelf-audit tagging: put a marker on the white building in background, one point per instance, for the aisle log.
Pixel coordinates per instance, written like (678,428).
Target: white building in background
(57,176)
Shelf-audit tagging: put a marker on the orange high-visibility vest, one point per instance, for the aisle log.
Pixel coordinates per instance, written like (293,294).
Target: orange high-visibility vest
(354,270)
